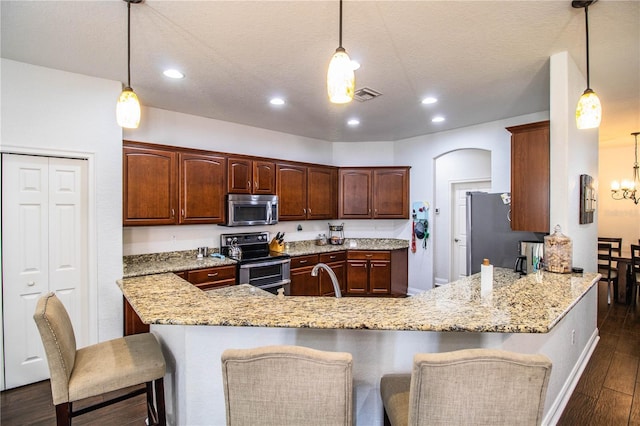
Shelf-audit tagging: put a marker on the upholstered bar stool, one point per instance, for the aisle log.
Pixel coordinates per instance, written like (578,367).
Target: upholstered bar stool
(97,369)
(287,385)
(471,386)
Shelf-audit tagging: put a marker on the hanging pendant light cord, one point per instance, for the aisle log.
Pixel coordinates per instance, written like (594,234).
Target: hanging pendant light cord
(129,43)
(340,33)
(586,26)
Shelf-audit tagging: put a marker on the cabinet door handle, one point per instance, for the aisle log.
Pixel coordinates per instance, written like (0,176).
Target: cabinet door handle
(303,261)
(249,184)
(255,185)
(173,213)
(332,257)
(31,283)
(215,274)
(309,211)
(368,255)
(182,212)
(369,211)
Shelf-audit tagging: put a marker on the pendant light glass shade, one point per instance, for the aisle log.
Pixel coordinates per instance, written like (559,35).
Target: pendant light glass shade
(341,80)
(128,109)
(588,111)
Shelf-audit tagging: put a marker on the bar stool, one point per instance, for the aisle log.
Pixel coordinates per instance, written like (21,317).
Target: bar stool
(471,386)
(97,369)
(287,385)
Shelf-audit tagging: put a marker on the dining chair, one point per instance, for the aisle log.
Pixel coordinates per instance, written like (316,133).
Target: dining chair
(287,385)
(609,274)
(470,386)
(616,244)
(77,374)
(635,271)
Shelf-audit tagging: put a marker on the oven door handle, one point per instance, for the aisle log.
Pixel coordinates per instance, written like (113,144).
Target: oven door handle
(278,284)
(267,263)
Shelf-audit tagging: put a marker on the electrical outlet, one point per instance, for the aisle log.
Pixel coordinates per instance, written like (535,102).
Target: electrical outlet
(573,337)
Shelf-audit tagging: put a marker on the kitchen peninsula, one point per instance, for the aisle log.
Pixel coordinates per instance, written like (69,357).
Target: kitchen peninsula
(554,315)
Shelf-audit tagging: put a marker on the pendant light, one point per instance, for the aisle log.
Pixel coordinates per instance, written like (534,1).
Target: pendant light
(589,110)
(128,107)
(341,80)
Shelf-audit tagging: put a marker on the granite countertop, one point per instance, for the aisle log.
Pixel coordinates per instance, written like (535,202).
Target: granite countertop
(177,261)
(516,305)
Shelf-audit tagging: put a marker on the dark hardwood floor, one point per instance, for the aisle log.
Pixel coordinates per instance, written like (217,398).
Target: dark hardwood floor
(608,392)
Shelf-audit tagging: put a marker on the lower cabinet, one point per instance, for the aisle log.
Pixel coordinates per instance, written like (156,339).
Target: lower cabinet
(304,284)
(377,273)
(208,278)
(132,322)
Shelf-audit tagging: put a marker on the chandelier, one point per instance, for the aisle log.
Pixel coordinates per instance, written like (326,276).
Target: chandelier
(628,189)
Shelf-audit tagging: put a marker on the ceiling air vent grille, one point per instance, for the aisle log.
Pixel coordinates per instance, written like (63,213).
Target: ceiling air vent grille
(365,94)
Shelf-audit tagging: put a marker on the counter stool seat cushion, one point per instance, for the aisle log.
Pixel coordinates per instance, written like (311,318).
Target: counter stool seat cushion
(394,389)
(287,385)
(471,386)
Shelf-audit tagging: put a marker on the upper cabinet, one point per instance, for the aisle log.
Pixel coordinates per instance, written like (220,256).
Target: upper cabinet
(149,186)
(202,183)
(373,193)
(530,167)
(166,187)
(247,176)
(306,192)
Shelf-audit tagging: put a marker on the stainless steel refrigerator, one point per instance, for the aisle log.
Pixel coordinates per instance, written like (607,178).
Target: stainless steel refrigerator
(489,234)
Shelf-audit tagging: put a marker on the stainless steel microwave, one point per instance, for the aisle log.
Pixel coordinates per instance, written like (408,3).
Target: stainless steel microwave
(249,210)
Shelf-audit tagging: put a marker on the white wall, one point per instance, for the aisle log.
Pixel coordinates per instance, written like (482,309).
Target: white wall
(422,151)
(617,218)
(573,152)
(56,112)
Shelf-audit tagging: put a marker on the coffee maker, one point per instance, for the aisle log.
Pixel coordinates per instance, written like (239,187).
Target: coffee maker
(531,257)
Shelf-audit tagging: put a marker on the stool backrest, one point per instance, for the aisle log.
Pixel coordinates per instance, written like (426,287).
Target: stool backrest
(478,386)
(59,342)
(287,385)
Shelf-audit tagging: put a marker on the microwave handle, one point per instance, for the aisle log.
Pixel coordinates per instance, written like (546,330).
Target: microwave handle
(269,212)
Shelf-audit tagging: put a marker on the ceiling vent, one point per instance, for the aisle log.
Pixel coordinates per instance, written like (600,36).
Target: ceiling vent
(365,94)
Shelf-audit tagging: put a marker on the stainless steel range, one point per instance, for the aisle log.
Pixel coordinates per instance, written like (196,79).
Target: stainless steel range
(256,264)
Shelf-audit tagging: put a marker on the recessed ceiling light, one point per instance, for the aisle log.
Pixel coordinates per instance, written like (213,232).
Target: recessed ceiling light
(276,101)
(355,64)
(353,122)
(173,73)
(437,119)
(429,100)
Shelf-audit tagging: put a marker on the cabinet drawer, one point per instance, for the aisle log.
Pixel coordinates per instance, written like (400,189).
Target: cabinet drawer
(335,256)
(302,261)
(369,255)
(220,273)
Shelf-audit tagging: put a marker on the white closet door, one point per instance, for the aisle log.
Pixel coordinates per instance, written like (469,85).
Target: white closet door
(43,229)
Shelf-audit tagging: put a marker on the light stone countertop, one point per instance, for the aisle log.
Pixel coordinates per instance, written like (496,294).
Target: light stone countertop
(177,261)
(514,306)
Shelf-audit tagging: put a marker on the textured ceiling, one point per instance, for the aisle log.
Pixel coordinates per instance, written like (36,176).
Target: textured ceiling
(484,60)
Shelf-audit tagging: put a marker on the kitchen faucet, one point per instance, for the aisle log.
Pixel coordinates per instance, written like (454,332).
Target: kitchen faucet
(332,275)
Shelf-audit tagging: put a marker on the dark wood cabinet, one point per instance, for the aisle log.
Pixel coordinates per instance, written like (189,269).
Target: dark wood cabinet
(530,177)
(149,186)
(322,200)
(302,282)
(292,191)
(337,262)
(373,193)
(377,273)
(167,187)
(247,176)
(132,322)
(306,192)
(202,188)
(207,278)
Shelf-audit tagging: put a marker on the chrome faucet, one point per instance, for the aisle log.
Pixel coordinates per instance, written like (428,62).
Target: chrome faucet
(332,275)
